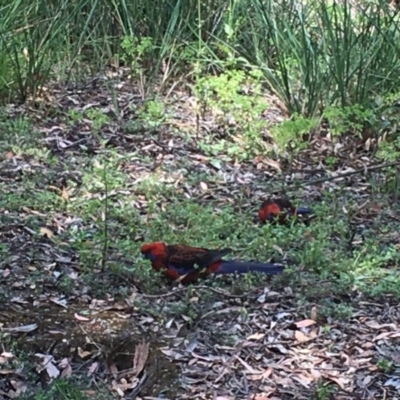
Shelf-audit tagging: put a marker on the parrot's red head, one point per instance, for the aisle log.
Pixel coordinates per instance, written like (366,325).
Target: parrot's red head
(153,250)
(268,210)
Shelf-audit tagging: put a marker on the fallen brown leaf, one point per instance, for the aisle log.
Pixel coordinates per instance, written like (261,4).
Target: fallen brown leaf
(141,356)
(46,232)
(304,323)
(301,337)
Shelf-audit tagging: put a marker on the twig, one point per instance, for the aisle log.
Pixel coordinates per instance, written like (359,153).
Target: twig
(361,278)
(357,171)
(105,247)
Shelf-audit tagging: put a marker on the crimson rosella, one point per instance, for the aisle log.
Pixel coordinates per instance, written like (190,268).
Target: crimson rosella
(187,263)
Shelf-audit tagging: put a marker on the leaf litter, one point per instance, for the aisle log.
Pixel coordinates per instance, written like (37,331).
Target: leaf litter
(260,345)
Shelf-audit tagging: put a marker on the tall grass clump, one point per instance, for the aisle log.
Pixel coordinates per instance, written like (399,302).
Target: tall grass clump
(317,53)
(67,40)
(312,54)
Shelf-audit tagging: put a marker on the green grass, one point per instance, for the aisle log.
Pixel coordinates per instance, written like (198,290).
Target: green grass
(320,251)
(67,389)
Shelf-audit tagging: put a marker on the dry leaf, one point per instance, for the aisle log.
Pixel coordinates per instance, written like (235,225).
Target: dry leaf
(248,368)
(47,364)
(5,272)
(314,313)
(82,353)
(301,337)
(304,380)
(92,369)
(23,328)
(339,381)
(278,249)
(272,163)
(203,186)
(262,397)
(256,336)
(62,303)
(266,374)
(304,323)
(382,335)
(46,232)
(7,354)
(64,193)
(81,318)
(114,370)
(141,356)
(66,371)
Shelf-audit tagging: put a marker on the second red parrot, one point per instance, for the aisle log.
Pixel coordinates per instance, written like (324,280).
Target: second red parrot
(280,210)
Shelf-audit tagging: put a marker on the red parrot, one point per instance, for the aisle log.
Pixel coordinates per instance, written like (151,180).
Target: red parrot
(179,262)
(281,210)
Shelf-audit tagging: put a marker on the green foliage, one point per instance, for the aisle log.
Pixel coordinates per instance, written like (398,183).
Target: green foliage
(385,365)
(74,116)
(136,54)
(152,115)
(389,151)
(323,391)
(290,134)
(61,390)
(320,54)
(64,389)
(18,135)
(98,119)
(30,50)
(320,57)
(347,120)
(187,308)
(184,220)
(335,311)
(227,97)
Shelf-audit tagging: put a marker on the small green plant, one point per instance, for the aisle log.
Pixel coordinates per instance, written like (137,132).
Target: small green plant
(384,365)
(137,52)
(61,389)
(323,391)
(98,119)
(389,151)
(186,308)
(340,311)
(227,95)
(152,115)
(290,134)
(20,136)
(66,284)
(134,51)
(245,282)
(74,116)
(65,389)
(348,119)
(325,329)
(330,161)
